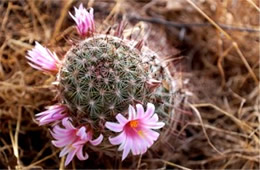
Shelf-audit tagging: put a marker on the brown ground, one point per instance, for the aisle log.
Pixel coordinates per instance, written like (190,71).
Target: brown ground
(220,64)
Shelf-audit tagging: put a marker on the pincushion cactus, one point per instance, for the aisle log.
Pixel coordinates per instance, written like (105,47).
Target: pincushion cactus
(101,76)
(101,79)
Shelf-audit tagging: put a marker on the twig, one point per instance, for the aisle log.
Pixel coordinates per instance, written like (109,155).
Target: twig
(139,162)
(239,122)
(6,15)
(39,17)
(254,5)
(203,128)
(187,25)
(43,159)
(219,64)
(168,163)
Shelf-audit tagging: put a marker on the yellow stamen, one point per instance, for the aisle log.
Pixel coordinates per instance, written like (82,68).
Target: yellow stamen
(133,123)
(140,133)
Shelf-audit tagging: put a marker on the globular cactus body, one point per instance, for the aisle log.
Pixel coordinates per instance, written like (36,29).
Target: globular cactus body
(102,75)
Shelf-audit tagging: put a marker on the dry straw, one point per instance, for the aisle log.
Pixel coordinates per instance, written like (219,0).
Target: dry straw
(219,128)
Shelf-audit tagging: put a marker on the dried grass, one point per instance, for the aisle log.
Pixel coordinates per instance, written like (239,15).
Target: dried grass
(219,44)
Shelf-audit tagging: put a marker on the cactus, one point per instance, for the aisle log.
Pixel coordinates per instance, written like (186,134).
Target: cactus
(102,75)
(99,78)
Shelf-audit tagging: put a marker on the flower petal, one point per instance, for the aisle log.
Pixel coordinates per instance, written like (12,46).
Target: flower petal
(121,119)
(152,134)
(67,124)
(121,147)
(140,111)
(140,146)
(134,150)
(154,118)
(131,113)
(82,133)
(152,125)
(149,110)
(80,154)
(60,143)
(97,141)
(70,156)
(59,132)
(118,139)
(127,148)
(114,126)
(64,151)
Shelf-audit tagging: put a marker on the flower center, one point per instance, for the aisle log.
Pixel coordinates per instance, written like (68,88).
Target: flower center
(133,123)
(134,128)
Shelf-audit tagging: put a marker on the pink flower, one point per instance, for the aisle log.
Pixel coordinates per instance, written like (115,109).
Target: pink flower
(84,20)
(136,131)
(43,59)
(54,113)
(72,140)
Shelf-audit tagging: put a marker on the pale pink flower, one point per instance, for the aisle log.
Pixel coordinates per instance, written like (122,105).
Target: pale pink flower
(54,113)
(136,131)
(84,20)
(72,140)
(43,59)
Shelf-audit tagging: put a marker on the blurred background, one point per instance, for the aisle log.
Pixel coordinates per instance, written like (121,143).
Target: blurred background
(214,46)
